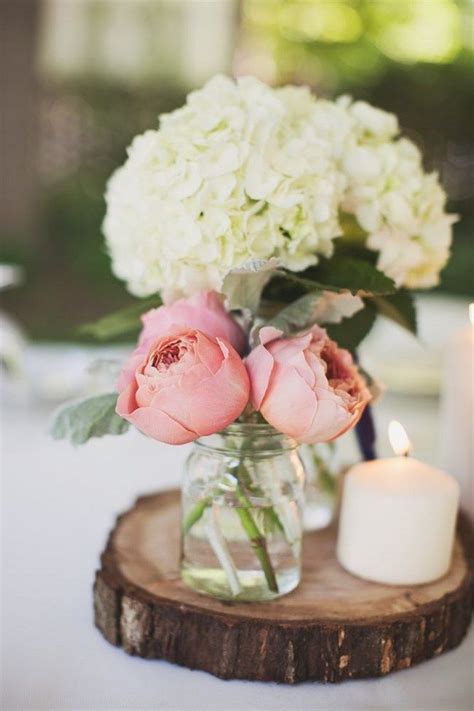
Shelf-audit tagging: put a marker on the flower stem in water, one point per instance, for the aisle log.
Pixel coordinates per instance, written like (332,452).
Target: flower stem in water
(194,515)
(257,540)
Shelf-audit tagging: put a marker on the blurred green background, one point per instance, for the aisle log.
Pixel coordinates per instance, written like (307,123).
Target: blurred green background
(82,77)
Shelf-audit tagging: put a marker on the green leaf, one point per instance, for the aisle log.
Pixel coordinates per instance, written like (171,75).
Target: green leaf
(351,331)
(341,274)
(355,275)
(120,323)
(305,283)
(93,417)
(399,307)
(279,291)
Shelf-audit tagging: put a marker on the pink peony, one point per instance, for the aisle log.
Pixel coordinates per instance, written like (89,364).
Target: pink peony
(185,385)
(306,386)
(204,311)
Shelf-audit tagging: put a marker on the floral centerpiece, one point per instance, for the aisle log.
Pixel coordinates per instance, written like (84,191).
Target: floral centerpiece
(263,230)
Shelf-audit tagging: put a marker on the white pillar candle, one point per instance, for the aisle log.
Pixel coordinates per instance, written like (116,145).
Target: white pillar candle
(457,413)
(397,521)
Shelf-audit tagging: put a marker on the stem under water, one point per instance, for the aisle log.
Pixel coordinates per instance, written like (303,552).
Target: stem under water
(257,540)
(194,515)
(244,512)
(245,480)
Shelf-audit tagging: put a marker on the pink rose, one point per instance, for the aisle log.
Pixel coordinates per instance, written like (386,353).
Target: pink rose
(204,311)
(306,386)
(185,385)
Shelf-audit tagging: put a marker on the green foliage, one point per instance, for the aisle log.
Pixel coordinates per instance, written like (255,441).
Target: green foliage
(93,417)
(356,275)
(120,323)
(399,307)
(352,331)
(340,274)
(343,274)
(299,314)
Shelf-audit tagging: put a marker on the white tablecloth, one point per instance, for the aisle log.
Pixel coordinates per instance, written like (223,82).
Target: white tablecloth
(58,505)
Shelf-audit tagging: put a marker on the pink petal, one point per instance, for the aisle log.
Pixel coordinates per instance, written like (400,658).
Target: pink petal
(318,334)
(159,425)
(304,370)
(289,403)
(188,380)
(285,349)
(204,311)
(259,367)
(268,334)
(213,402)
(127,374)
(126,402)
(224,398)
(329,420)
(208,352)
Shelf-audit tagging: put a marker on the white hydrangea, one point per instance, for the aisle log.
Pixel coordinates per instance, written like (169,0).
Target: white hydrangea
(400,207)
(238,173)
(244,172)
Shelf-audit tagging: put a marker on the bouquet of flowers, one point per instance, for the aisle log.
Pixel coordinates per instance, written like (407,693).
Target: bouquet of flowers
(263,230)
(298,212)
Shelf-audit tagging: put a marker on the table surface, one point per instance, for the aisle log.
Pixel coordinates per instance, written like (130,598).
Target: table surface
(59,503)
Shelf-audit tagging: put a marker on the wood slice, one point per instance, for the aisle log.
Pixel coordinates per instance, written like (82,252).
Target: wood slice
(333,627)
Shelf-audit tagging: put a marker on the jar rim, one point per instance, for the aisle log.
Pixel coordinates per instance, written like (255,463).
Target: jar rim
(260,427)
(264,432)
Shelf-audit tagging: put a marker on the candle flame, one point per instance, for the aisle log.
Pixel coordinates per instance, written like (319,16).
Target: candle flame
(398,437)
(471,313)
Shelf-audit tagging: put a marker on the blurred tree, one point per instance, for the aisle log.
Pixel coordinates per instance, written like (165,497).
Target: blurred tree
(412,57)
(18,89)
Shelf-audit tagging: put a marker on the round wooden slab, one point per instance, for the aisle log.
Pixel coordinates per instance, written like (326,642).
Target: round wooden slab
(333,627)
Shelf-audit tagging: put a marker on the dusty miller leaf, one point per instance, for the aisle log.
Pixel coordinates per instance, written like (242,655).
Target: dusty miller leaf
(243,286)
(93,417)
(317,307)
(298,315)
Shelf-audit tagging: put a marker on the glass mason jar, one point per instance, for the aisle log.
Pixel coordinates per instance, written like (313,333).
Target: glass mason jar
(242,501)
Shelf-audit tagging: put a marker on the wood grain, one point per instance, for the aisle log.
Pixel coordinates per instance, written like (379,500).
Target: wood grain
(333,627)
